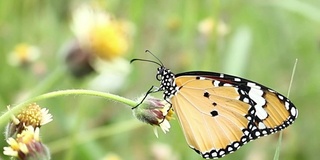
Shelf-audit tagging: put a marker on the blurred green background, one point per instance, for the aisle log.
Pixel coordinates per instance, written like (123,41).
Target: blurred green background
(258,40)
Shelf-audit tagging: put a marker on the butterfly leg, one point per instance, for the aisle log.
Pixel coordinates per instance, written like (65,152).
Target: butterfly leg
(152,89)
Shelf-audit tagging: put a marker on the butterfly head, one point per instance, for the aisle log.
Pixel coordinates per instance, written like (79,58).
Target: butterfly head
(167,82)
(164,75)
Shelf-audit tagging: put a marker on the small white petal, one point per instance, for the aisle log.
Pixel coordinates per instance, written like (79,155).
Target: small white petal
(23,147)
(155,131)
(12,142)
(165,126)
(37,134)
(10,152)
(46,116)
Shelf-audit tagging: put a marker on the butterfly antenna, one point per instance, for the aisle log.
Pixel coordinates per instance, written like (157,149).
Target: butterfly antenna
(147,51)
(145,60)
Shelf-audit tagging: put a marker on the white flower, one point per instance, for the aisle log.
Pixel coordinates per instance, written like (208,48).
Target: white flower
(23,54)
(27,145)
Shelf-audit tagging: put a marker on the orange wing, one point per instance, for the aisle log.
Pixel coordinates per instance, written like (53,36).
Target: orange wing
(218,117)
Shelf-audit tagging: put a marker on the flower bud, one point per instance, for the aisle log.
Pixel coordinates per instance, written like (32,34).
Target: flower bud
(27,145)
(32,115)
(155,112)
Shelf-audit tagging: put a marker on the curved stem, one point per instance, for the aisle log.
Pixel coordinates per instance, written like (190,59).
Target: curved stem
(4,118)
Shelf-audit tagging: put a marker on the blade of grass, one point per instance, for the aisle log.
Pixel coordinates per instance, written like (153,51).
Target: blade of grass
(277,153)
(238,53)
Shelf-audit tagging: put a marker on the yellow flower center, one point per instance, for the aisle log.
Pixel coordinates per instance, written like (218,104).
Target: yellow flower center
(108,41)
(31,115)
(22,51)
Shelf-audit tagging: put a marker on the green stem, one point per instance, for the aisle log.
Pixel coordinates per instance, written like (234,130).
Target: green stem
(5,117)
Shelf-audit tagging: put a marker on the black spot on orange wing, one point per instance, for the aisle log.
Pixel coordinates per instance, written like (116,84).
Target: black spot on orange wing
(214,113)
(206,94)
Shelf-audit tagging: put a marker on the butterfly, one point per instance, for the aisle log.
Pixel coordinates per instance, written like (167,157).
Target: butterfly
(219,113)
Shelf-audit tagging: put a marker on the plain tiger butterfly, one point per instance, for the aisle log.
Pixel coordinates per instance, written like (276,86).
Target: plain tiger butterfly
(218,112)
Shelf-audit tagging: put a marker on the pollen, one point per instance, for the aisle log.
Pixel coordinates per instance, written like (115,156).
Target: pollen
(109,40)
(170,114)
(32,115)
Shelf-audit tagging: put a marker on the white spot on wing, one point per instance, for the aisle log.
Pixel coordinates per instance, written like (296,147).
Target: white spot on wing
(214,154)
(227,85)
(216,83)
(253,85)
(261,125)
(286,104)
(270,90)
(245,100)
(261,113)
(237,79)
(256,96)
(236,145)
(293,111)
(242,92)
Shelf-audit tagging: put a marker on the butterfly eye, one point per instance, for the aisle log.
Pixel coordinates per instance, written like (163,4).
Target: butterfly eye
(160,73)
(158,76)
